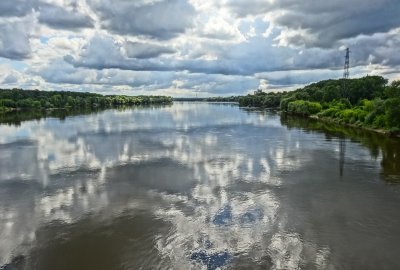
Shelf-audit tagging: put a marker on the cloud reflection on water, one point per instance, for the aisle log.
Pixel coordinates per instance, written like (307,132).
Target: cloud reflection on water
(210,171)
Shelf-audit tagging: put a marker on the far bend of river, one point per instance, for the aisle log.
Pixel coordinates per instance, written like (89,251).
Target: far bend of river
(196,186)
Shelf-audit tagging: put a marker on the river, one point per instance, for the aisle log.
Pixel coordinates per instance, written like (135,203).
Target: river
(196,186)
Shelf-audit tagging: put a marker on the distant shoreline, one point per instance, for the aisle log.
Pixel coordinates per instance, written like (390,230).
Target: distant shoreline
(17,99)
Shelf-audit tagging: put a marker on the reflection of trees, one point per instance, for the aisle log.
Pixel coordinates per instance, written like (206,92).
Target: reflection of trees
(342,150)
(377,144)
(17,117)
(391,160)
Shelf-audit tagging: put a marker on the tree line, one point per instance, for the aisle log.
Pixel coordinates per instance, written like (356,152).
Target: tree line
(34,99)
(210,99)
(367,102)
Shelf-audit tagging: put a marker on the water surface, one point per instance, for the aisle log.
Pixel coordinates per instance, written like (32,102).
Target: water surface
(196,186)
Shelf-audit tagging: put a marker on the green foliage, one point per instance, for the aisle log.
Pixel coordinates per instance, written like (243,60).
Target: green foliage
(327,91)
(367,102)
(379,121)
(367,105)
(304,108)
(392,107)
(223,99)
(28,99)
(331,93)
(351,115)
(285,103)
(7,103)
(261,99)
(393,90)
(369,113)
(330,112)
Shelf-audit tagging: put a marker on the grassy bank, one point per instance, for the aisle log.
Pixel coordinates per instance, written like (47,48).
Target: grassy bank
(368,102)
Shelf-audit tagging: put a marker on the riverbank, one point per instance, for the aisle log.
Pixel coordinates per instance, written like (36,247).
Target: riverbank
(381,131)
(369,103)
(333,121)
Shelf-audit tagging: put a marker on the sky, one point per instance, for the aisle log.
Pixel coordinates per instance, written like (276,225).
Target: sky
(187,48)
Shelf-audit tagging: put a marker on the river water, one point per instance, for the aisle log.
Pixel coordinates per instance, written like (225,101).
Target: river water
(196,186)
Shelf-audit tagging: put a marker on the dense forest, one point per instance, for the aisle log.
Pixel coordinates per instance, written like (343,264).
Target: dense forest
(35,99)
(368,102)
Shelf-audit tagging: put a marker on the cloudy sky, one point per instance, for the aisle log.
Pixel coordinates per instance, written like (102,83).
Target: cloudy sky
(193,47)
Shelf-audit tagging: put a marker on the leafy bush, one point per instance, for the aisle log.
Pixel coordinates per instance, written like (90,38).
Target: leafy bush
(379,121)
(305,108)
(330,112)
(285,102)
(367,105)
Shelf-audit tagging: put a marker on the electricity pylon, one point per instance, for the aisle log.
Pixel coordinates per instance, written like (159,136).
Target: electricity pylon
(346,72)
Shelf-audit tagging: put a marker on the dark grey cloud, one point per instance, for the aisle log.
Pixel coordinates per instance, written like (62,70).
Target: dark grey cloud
(326,21)
(380,49)
(103,52)
(60,72)
(218,84)
(245,59)
(18,18)
(100,51)
(10,79)
(162,19)
(60,18)
(298,77)
(14,40)
(243,8)
(17,8)
(146,50)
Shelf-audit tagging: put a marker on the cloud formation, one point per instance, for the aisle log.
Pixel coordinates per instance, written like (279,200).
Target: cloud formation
(146,50)
(155,19)
(193,47)
(18,8)
(320,23)
(62,18)
(14,39)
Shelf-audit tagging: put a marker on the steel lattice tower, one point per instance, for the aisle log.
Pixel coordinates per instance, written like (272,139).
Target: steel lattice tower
(346,71)
(347,64)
